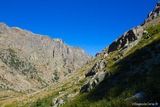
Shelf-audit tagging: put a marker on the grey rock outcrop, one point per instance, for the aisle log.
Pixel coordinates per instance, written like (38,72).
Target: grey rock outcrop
(133,35)
(98,67)
(126,39)
(96,75)
(30,61)
(58,102)
(93,82)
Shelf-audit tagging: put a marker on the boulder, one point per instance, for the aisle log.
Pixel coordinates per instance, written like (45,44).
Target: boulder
(138,97)
(58,102)
(126,39)
(93,82)
(98,67)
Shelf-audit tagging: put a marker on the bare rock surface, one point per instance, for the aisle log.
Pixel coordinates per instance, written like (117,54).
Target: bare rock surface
(127,39)
(31,61)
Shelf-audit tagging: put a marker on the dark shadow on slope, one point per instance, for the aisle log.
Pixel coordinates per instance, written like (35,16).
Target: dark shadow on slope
(139,71)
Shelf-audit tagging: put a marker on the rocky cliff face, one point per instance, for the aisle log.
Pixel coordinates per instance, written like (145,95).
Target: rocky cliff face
(30,61)
(131,37)
(127,39)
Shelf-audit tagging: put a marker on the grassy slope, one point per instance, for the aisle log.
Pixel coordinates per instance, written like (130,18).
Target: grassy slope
(123,84)
(106,94)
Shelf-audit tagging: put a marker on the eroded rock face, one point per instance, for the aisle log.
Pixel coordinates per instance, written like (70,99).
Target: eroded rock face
(93,82)
(126,39)
(134,34)
(33,59)
(99,66)
(96,75)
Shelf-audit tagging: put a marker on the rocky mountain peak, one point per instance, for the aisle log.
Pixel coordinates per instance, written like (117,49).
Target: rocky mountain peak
(58,40)
(3,27)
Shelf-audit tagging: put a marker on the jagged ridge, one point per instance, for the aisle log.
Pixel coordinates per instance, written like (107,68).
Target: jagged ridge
(31,61)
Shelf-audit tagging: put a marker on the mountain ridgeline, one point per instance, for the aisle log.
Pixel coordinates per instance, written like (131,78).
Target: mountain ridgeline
(29,62)
(125,74)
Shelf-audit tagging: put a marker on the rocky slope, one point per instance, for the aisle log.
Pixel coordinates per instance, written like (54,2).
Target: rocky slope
(127,72)
(122,75)
(29,62)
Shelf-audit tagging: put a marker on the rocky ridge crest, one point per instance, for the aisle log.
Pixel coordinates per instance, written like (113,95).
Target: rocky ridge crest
(31,61)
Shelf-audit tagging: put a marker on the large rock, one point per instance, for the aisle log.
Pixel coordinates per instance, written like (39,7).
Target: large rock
(98,67)
(93,82)
(58,102)
(126,39)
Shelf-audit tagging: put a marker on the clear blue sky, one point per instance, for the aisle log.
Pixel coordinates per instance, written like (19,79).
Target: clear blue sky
(89,24)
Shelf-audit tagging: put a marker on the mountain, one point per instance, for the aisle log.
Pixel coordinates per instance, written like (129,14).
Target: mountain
(30,62)
(124,74)
(127,72)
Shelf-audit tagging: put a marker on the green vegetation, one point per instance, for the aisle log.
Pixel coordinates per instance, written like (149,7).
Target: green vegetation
(45,102)
(129,75)
(152,30)
(113,95)
(136,71)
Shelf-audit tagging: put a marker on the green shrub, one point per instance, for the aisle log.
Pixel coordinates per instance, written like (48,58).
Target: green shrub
(152,30)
